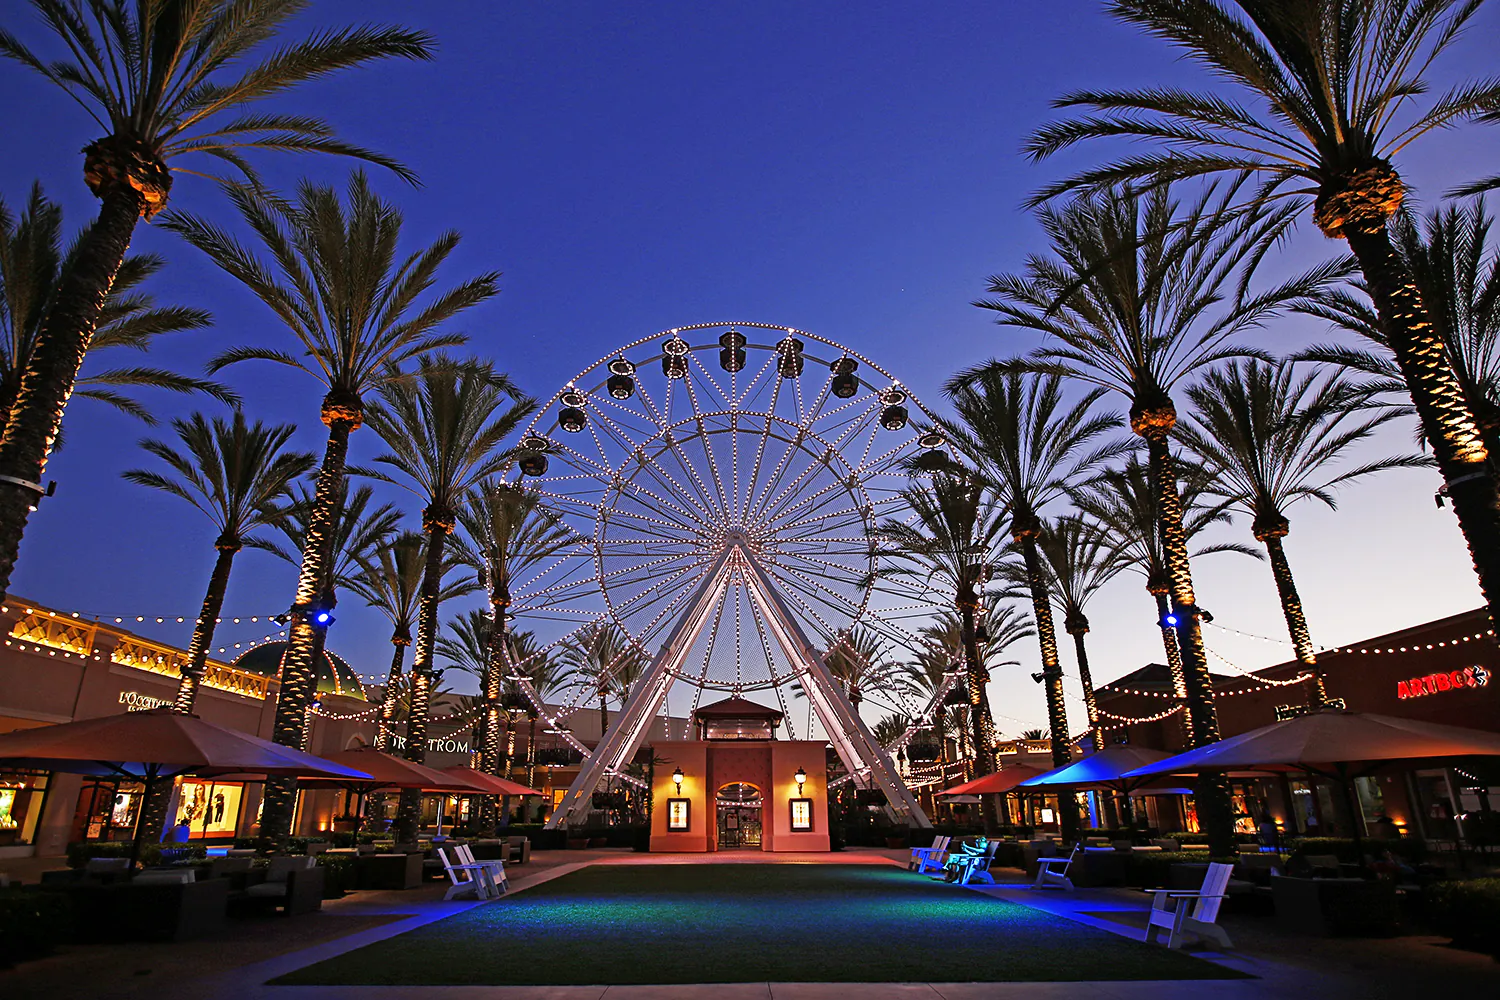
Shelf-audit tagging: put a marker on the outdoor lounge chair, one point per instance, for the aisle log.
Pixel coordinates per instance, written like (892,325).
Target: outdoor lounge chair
(466,880)
(293,883)
(495,868)
(922,857)
(1183,913)
(1053,872)
(977,867)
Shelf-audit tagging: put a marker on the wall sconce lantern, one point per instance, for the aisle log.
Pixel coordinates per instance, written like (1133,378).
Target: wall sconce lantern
(800,777)
(677,777)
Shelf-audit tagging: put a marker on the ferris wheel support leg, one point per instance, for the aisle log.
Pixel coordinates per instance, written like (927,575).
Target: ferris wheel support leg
(851,738)
(617,746)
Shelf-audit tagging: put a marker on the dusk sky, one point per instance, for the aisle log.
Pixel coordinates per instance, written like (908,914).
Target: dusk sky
(852,170)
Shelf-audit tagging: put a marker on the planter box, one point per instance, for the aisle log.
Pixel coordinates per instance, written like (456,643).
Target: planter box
(158,911)
(1330,907)
(388,871)
(577,843)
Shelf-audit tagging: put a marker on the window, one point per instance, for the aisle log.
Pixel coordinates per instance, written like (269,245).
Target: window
(21,796)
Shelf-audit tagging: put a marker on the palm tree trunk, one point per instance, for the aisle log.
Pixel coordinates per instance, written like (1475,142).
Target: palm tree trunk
(980,719)
(603,714)
(1174,662)
(1079,628)
(392,683)
(1046,631)
(436,525)
(203,629)
(299,675)
(1296,618)
(32,423)
(531,753)
(1155,424)
(1447,423)
(496,666)
(510,744)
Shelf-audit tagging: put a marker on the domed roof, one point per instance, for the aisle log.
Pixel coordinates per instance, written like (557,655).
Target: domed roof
(334,675)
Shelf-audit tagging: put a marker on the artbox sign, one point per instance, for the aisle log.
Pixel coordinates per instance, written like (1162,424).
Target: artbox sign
(1456,680)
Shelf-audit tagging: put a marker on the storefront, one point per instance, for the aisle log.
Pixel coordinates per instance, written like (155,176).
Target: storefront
(1439,672)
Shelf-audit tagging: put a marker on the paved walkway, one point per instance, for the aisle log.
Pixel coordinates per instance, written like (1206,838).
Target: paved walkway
(237,968)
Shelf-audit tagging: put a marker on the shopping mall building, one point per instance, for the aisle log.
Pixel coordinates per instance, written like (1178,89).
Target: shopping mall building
(1442,671)
(55,667)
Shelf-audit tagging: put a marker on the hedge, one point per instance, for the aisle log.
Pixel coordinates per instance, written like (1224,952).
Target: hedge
(339,874)
(1468,912)
(1152,869)
(31,924)
(1409,849)
(79,853)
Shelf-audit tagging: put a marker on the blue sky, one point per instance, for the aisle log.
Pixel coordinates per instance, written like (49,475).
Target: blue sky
(847,169)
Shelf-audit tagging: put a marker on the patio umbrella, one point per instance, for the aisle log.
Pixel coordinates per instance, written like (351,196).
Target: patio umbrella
(1105,769)
(155,746)
(1336,745)
(489,784)
(386,771)
(1003,780)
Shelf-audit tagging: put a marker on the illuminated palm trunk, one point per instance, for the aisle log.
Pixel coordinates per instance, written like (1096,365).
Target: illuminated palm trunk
(203,628)
(299,676)
(400,639)
(1077,626)
(1160,591)
(436,523)
(981,722)
(1270,529)
(1155,423)
(34,420)
(531,753)
(1026,528)
(1448,424)
(496,666)
(510,744)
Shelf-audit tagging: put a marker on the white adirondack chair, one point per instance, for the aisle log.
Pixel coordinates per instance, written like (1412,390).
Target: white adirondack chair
(494,867)
(977,869)
(924,857)
(467,880)
(1183,913)
(1052,873)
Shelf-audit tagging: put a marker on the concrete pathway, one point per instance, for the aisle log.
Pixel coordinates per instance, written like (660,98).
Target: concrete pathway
(1404,968)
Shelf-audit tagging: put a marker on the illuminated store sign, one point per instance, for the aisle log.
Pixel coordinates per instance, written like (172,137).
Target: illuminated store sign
(1457,680)
(134,701)
(436,744)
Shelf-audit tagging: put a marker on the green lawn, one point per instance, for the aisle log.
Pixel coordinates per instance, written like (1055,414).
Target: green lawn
(750,923)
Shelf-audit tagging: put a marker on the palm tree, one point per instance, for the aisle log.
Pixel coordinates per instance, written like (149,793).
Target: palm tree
(32,262)
(1144,293)
(1338,89)
(856,659)
(1033,734)
(358,314)
(1124,501)
(954,528)
(511,531)
(390,581)
(1081,556)
(1271,436)
(942,651)
(548,676)
(355,532)
(611,662)
(1031,447)
(237,475)
(1452,261)
(162,80)
(444,426)
(889,728)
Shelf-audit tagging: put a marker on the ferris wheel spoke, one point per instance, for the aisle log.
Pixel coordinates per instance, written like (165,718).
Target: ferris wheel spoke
(760,448)
(713,467)
(664,433)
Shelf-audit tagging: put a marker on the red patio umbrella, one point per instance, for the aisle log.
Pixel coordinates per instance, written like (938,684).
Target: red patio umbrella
(488,783)
(154,746)
(1340,746)
(1003,780)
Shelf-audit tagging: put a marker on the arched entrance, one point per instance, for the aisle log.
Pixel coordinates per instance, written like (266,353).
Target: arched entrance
(739,817)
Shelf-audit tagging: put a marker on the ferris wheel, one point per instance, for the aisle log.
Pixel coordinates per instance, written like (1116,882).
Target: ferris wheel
(724,483)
